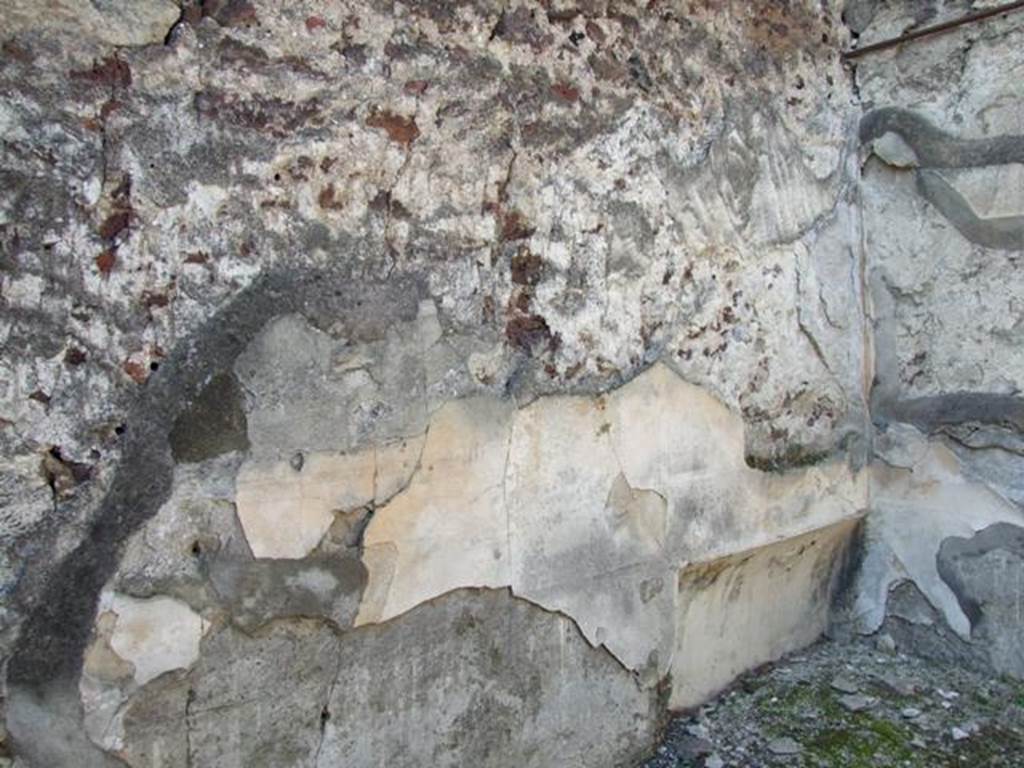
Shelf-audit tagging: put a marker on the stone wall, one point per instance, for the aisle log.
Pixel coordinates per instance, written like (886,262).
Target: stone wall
(472,383)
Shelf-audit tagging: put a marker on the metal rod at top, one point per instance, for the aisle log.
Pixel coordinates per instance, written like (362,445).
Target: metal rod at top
(935,29)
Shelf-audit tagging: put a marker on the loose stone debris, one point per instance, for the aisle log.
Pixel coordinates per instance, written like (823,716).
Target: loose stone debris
(907,712)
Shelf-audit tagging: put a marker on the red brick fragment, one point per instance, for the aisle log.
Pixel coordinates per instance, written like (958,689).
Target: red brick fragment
(105,261)
(74,357)
(136,371)
(400,129)
(515,227)
(109,72)
(115,224)
(566,92)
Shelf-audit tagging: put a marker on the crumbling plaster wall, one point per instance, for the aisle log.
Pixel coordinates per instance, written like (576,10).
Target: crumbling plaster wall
(942,197)
(550,330)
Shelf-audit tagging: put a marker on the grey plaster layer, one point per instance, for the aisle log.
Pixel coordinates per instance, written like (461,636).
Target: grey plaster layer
(313,390)
(251,700)
(476,677)
(45,723)
(932,414)
(171,552)
(257,591)
(213,424)
(258,700)
(991,455)
(858,14)
(934,150)
(986,572)
(918,627)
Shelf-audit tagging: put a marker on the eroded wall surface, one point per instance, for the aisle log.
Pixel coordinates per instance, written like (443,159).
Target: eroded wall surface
(469,383)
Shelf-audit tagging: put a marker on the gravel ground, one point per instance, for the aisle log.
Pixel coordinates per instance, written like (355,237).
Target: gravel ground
(852,706)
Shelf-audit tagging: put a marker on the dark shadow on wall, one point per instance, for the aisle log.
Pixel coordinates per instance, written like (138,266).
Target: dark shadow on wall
(62,598)
(936,150)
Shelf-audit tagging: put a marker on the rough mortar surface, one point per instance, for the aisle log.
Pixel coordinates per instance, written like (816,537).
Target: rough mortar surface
(472,383)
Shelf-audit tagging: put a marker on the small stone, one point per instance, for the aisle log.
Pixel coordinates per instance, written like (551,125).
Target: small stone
(886,643)
(856,702)
(698,730)
(894,151)
(910,712)
(959,734)
(947,695)
(845,684)
(693,747)
(918,743)
(784,746)
(899,686)
(714,761)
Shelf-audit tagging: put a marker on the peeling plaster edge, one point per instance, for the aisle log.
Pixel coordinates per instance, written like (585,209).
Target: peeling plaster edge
(676,568)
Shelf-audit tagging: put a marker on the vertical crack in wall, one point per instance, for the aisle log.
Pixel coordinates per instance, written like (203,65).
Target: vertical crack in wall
(325,711)
(805,331)
(504,495)
(190,698)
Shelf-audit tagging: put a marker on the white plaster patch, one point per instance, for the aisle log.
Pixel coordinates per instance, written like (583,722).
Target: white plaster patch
(316,580)
(894,151)
(285,511)
(750,608)
(449,528)
(24,291)
(156,635)
(920,497)
(589,506)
